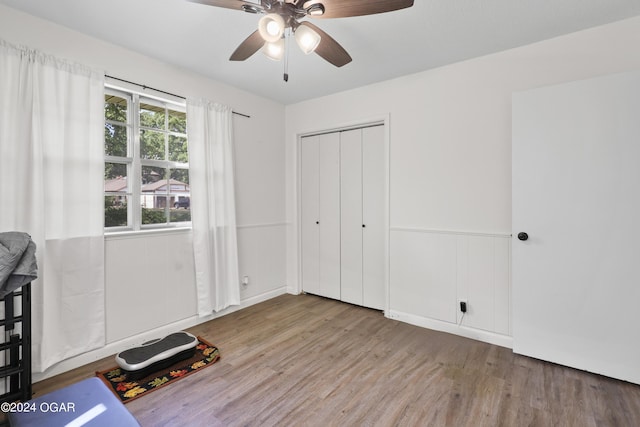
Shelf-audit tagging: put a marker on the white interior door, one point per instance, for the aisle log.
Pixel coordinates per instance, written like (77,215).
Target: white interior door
(351,215)
(310,214)
(329,194)
(373,190)
(576,192)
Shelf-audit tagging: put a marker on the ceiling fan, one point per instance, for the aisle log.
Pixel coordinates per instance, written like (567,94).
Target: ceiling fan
(282,15)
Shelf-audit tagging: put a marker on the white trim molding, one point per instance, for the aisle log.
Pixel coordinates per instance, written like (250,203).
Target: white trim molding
(263,225)
(452,328)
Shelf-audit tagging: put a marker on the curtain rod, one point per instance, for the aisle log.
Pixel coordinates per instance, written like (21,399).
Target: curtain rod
(162,91)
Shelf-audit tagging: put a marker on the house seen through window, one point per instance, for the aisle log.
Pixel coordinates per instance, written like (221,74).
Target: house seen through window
(146,176)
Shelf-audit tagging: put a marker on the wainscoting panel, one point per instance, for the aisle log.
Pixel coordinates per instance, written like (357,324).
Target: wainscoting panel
(262,250)
(150,277)
(149,282)
(484,282)
(423,274)
(433,270)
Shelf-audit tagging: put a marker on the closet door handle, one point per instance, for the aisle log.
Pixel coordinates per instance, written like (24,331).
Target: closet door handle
(363,226)
(317,222)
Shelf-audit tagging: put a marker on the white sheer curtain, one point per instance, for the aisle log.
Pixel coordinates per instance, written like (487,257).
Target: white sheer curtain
(213,210)
(51,186)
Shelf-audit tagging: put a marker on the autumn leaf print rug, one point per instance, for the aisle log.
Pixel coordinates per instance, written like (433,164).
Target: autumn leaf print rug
(127,390)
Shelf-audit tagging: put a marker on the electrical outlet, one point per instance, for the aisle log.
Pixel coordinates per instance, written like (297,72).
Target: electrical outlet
(463,305)
(245,281)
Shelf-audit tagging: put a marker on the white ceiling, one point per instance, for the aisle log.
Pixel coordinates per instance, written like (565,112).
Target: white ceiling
(430,34)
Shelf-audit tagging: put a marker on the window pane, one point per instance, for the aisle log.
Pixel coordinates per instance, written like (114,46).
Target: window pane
(152,145)
(115,140)
(179,214)
(177,121)
(182,176)
(115,177)
(153,195)
(154,179)
(115,108)
(152,116)
(115,211)
(180,195)
(115,205)
(154,209)
(178,149)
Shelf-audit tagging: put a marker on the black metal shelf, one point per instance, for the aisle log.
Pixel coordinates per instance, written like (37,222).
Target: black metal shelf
(16,368)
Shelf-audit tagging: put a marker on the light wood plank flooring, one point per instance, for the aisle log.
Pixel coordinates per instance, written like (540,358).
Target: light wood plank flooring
(308,361)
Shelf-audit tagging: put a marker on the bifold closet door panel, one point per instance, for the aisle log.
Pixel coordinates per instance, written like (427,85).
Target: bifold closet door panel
(351,216)
(329,214)
(309,206)
(373,185)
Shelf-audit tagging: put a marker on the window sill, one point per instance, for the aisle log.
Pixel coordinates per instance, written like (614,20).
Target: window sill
(130,234)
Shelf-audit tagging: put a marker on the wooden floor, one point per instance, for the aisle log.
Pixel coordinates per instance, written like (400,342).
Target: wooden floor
(304,360)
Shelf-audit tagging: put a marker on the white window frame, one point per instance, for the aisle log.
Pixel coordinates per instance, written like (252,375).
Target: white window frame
(135,163)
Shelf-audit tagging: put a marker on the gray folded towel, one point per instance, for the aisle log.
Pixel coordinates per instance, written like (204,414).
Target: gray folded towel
(18,264)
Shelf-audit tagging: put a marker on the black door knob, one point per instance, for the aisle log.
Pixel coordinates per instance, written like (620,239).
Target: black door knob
(317,222)
(363,226)
(523,236)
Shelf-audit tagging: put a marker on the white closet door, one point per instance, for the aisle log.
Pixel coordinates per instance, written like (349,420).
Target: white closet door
(309,206)
(373,189)
(351,216)
(575,192)
(329,195)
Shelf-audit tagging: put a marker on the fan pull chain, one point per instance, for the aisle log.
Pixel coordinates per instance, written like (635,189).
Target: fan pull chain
(286,55)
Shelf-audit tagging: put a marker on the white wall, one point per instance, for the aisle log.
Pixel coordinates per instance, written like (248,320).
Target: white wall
(150,283)
(450,171)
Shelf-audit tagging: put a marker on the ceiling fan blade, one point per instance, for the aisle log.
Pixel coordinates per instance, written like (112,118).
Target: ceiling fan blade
(346,8)
(232,4)
(248,47)
(329,49)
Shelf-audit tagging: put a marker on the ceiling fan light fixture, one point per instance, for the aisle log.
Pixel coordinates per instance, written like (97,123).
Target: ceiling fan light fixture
(271,27)
(316,9)
(274,50)
(307,39)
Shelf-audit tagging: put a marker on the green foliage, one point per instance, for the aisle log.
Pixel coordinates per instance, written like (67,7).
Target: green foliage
(181,175)
(114,215)
(153,142)
(114,170)
(177,121)
(152,145)
(153,216)
(152,116)
(115,108)
(178,151)
(153,174)
(115,135)
(180,215)
(157,216)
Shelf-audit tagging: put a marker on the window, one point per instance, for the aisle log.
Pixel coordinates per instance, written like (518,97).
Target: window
(146,174)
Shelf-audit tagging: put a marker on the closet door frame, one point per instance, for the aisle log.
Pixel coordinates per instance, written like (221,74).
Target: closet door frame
(383,120)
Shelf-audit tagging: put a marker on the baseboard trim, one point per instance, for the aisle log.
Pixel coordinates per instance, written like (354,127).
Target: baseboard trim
(117,346)
(452,328)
